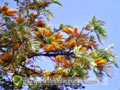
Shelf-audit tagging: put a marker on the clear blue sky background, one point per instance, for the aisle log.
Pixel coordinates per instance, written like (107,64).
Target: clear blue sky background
(78,13)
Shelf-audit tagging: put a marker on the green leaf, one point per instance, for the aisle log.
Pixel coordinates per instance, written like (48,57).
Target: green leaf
(98,28)
(56,2)
(112,61)
(93,20)
(77,51)
(33,87)
(17,80)
(47,13)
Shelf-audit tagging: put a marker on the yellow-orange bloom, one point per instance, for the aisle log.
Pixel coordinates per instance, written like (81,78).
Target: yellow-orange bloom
(77,35)
(48,48)
(62,45)
(5,7)
(0,22)
(71,35)
(53,37)
(41,24)
(7,56)
(101,62)
(65,72)
(17,18)
(98,59)
(70,62)
(75,29)
(46,32)
(35,15)
(55,45)
(72,43)
(11,11)
(58,36)
(37,33)
(83,49)
(46,73)
(67,30)
(1,61)
(16,46)
(10,14)
(58,58)
(65,63)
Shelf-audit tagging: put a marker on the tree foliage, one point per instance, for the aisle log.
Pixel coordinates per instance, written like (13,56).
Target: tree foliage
(24,35)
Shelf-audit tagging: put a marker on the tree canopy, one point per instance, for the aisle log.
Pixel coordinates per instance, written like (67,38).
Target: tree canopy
(24,34)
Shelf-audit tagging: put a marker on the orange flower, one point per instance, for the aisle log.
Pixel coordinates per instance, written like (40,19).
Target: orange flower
(37,33)
(71,35)
(7,56)
(11,12)
(83,49)
(67,30)
(77,35)
(41,24)
(5,7)
(48,48)
(101,62)
(98,59)
(45,48)
(55,45)
(46,73)
(1,61)
(65,63)
(54,76)
(58,59)
(75,29)
(17,18)
(72,43)
(71,63)
(62,45)
(65,73)
(34,15)
(0,22)
(46,32)
(16,46)
(58,36)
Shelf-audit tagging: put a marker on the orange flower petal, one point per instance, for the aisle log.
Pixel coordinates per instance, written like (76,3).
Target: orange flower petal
(41,24)
(37,33)
(55,45)
(58,58)
(46,73)
(67,30)
(77,35)
(75,29)
(11,11)
(72,43)
(5,7)
(16,46)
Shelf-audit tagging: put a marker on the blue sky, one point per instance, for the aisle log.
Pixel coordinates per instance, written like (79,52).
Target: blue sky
(78,13)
